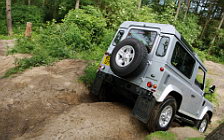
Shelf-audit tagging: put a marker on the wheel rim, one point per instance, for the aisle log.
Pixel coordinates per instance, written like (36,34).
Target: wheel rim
(165,116)
(125,56)
(203,126)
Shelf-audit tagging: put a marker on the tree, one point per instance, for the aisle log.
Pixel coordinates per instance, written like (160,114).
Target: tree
(139,4)
(77,4)
(29,2)
(178,9)
(208,18)
(188,7)
(9,17)
(219,27)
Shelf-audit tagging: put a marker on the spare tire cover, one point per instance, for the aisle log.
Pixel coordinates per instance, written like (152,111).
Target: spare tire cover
(128,58)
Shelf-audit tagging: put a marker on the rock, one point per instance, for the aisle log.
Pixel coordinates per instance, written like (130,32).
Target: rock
(217,134)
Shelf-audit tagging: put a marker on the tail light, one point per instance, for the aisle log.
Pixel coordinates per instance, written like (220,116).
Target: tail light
(149,84)
(154,86)
(162,69)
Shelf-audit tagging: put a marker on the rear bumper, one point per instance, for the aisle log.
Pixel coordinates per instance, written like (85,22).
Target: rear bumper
(143,99)
(118,83)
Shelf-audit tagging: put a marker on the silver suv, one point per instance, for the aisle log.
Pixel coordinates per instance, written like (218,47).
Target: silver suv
(153,66)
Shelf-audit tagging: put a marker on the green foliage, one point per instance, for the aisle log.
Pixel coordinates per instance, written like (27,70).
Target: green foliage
(90,74)
(189,28)
(27,13)
(166,13)
(161,135)
(90,29)
(140,15)
(89,20)
(117,11)
(76,37)
(212,97)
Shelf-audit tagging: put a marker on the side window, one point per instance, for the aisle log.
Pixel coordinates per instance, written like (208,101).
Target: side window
(200,78)
(183,61)
(163,46)
(118,37)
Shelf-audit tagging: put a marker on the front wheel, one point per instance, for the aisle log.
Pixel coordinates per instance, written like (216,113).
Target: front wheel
(203,124)
(162,115)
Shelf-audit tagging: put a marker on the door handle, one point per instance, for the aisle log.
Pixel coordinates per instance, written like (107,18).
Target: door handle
(192,96)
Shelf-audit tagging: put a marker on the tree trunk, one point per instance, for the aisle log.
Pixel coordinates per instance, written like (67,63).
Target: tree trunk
(43,3)
(139,4)
(28,32)
(9,17)
(178,9)
(29,2)
(188,7)
(207,20)
(204,28)
(219,27)
(221,22)
(77,4)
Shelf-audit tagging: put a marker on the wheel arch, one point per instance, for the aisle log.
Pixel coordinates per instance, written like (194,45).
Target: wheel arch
(210,115)
(178,97)
(207,110)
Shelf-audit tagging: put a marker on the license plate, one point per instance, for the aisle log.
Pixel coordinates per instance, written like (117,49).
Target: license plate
(106,60)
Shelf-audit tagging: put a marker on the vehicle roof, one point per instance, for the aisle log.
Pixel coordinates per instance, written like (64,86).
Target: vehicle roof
(164,28)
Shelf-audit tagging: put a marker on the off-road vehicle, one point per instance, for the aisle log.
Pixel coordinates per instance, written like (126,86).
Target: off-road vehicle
(155,67)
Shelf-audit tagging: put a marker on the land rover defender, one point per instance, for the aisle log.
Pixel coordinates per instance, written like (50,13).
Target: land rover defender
(154,66)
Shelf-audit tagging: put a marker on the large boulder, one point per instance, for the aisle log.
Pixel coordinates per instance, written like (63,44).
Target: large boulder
(217,134)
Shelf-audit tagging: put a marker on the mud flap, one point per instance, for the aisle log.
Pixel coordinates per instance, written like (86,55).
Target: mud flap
(97,83)
(143,107)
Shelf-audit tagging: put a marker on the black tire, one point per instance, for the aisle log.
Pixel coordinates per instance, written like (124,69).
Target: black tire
(199,123)
(153,123)
(138,63)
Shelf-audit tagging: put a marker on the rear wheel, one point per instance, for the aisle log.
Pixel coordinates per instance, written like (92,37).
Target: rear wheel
(162,115)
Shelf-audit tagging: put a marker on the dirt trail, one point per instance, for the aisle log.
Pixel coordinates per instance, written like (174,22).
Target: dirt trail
(7,62)
(50,102)
(4,45)
(92,121)
(39,93)
(216,73)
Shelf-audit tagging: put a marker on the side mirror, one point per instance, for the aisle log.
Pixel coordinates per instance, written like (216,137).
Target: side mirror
(212,89)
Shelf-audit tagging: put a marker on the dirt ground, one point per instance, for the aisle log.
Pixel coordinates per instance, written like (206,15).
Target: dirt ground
(216,73)
(50,102)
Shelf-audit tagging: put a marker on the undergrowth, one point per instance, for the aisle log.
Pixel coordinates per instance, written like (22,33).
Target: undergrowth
(212,97)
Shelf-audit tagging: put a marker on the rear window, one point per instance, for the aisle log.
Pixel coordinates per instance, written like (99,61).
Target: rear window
(146,37)
(183,61)
(118,37)
(163,46)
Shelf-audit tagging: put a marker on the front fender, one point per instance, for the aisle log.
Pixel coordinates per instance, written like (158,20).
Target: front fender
(160,96)
(204,111)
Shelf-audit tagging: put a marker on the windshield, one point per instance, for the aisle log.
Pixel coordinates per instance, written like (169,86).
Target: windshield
(146,37)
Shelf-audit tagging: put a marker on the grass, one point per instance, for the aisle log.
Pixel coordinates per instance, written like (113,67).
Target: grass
(165,135)
(205,56)
(161,135)
(6,37)
(212,97)
(90,74)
